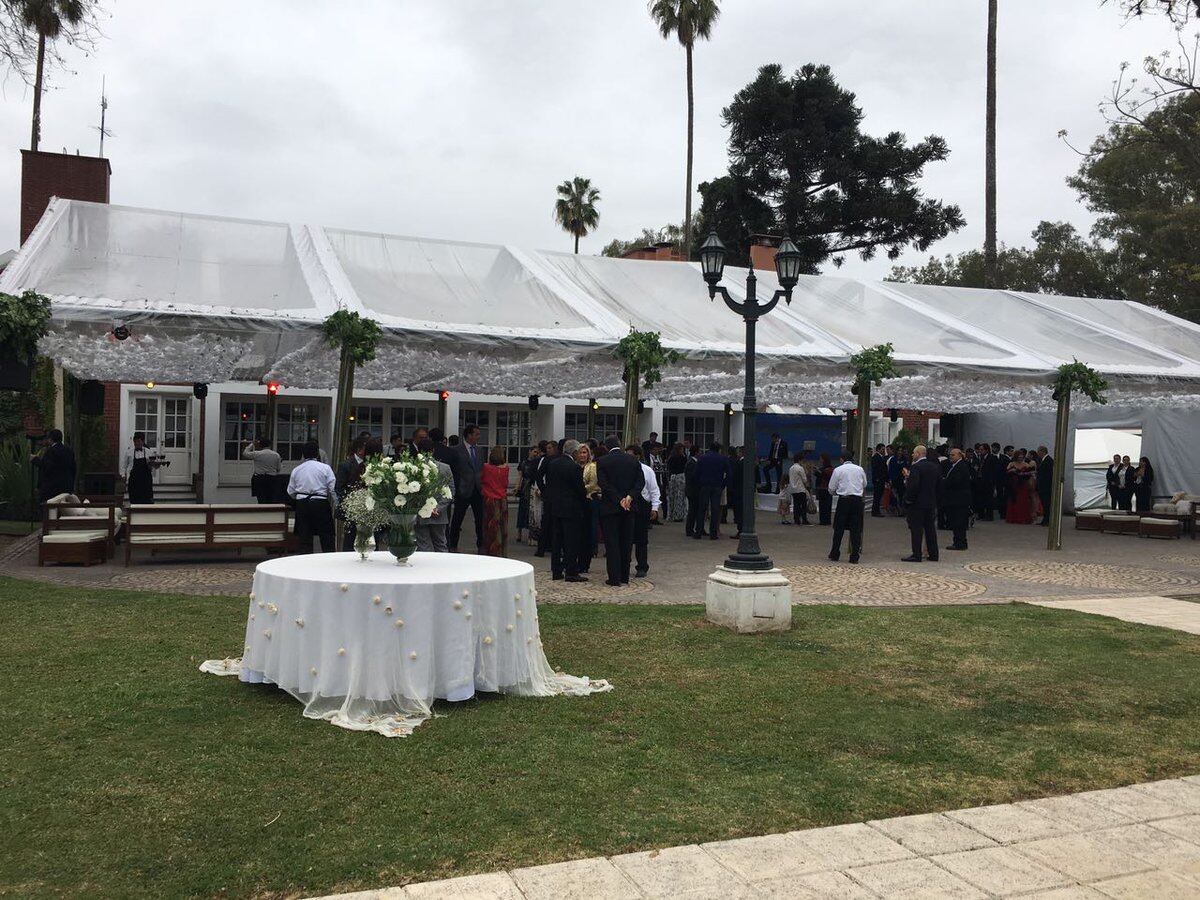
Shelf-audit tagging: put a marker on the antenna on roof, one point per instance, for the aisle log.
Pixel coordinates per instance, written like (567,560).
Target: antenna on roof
(104,132)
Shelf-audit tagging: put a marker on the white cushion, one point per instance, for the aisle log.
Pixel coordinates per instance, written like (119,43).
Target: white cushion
(168,518)
(171,537)
(1150,521)
(231,537)
(271,516)
(74,537)
(1164,507)
(1123,518)
(1089,513)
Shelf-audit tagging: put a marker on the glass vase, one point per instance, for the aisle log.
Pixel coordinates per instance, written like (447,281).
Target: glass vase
(402,537)
(364,543)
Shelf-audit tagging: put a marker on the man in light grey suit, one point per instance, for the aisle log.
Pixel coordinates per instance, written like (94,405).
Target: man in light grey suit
(467,465)
(431,532)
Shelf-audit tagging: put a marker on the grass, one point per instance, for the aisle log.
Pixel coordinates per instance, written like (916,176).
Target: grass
(128,773)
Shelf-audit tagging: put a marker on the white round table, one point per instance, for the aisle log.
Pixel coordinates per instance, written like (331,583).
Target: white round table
(369,645)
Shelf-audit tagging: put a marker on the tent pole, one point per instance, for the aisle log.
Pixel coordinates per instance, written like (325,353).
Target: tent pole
(341,423)
(631,405)
(862,452)
(1061,432)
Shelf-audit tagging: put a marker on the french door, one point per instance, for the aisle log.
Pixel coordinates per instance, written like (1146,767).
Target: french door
(166,421)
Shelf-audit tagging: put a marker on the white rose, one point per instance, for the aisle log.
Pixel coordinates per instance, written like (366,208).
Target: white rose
(428,508)
(399,500)
(414,486)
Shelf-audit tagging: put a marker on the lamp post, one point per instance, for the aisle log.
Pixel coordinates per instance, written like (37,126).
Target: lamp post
(749,556)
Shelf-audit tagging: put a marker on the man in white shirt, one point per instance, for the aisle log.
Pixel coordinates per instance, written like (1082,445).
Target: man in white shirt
(848,483)
(645,511)
(312,487)
(266,468)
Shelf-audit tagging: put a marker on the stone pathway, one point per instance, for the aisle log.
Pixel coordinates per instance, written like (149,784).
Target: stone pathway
(1141,841)
(1182,615)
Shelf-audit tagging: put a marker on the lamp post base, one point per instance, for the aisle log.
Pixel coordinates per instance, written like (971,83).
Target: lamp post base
(749,602)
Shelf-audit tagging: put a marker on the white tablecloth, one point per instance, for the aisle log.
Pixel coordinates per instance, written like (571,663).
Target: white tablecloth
(370,645)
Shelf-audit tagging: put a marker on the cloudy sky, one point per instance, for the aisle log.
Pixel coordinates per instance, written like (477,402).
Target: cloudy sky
(457,120)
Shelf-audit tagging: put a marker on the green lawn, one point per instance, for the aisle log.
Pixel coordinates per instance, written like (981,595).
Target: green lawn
(127,772)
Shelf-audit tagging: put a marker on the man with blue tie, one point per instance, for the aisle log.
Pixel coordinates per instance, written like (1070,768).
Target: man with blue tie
(467,465)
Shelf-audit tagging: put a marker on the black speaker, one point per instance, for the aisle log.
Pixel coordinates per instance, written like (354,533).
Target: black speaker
(533,401)
(199,390)
(91,398)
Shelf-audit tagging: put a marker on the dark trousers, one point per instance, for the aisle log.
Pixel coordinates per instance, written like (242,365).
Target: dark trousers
(877,498)
(1044,496)
(589,534)
(314,518)
(923,522)
(735,503)
(848,517)
(546,531)
(1114,496)
(461,505)
(694,523)
(641,535)
(800,508)
(709,503)
(566,537)
(898,496)
(1002,498)
(618,545)
(824,506)
(777,468)
(960,518)
(1126,496)
(1145,500)
(262,487)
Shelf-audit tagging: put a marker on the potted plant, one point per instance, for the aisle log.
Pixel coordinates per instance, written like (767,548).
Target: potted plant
(24,320)
(408,488)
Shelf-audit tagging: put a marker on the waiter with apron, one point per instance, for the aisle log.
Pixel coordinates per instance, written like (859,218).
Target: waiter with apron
(139,465)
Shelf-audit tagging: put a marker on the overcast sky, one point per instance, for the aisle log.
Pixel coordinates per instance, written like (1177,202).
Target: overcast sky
(457,120)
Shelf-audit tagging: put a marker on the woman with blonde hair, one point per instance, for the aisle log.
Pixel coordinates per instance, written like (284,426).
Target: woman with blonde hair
(591,522)
(494,485)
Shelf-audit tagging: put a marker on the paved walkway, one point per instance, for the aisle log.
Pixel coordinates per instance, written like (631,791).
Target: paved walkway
(1162,611)
(1141,841)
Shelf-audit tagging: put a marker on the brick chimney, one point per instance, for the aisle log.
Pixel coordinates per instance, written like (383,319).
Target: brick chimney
(763,248)
(46,175)
(660,251)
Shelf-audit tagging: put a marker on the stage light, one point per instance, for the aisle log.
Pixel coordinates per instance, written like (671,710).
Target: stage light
(150,384)
(443,396)
(272,388)
(594,403)
(120,331)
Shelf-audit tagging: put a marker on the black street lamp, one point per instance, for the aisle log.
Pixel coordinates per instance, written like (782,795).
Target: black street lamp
(749,557)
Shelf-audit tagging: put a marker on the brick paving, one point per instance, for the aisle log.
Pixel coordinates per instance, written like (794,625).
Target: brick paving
(1140,841)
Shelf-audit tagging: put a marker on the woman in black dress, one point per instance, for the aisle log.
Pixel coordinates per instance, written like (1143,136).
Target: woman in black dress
(139,476)
(1143,485)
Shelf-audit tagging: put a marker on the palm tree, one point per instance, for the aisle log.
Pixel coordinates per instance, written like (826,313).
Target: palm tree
(575,209)
(49,18)
(989,190)
(687,20)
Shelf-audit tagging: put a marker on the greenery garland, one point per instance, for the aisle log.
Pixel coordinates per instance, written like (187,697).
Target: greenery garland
(1077,377)
(24,321)
(872,365)
(346,330)
(644,351)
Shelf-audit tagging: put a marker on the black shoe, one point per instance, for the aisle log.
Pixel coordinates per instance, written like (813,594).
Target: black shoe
(625,581)
(640,574)
(854,559)
(714,537)
(910,559)
(834,557)
(540,553)
(697,537)
(612,583)
(557,577)
(953,547)
(931,559)
(575,579)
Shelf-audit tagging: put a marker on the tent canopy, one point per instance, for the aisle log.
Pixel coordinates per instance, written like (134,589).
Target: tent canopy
(211,299)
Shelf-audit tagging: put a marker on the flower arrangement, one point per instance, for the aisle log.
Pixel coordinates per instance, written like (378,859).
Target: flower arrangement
(406,486)
(367,515)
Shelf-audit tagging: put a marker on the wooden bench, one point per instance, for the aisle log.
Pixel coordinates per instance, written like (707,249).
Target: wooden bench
(205,526)
(1120,523)
(73,532)
(1089,520)
(1156,526)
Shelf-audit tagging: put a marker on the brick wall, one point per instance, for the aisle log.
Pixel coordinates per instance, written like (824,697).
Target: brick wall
(46,175)
(663,251)
(112,423)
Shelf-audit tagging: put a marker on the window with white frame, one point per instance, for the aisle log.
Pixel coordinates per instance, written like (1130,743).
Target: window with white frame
(145,419)
(368,418)
(514,433)
(606,425)
(407,419)
(701,429)
(883,429)
(935,432)
(482,418)
(244,420)
(177,423)
(299,423)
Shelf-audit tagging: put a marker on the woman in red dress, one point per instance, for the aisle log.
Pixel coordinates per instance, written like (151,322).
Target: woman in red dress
(494,483)
(1020,491)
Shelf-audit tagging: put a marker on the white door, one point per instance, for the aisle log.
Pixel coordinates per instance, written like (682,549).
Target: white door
(167,423)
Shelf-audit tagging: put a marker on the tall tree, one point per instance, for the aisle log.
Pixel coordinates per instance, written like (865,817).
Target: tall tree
(800,165)
(28,32)
(989,190)
(575,209)
(687,20)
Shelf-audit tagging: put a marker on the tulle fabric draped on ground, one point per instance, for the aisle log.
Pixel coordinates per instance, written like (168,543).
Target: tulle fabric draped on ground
(370,646)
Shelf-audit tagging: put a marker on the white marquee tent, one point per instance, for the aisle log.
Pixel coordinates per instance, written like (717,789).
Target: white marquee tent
(220,299)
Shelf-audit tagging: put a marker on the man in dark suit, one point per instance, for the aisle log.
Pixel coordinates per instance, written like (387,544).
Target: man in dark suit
(1045,482)
(546,532)
(467,464)
(712,477)
(989,476)
(879,480)
(621,480)
(56,467)
(693,525)
(349,477)
(777,457)
(737,478)
(957,492)
(920,500)
(565,503)
(1004,458)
